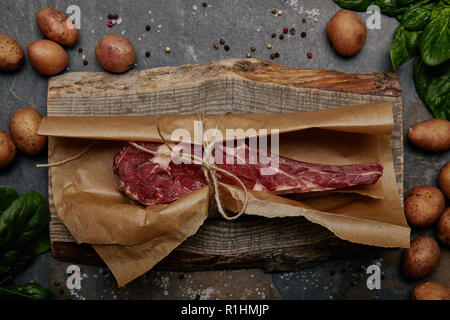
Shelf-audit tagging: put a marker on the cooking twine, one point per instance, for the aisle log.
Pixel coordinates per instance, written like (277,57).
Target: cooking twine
(209,168)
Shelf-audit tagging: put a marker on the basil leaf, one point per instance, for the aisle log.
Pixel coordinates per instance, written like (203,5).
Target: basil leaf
(434,43)
(7,196)
(417,17)
(357,5)
(29,291)
(404,46)
(24,219)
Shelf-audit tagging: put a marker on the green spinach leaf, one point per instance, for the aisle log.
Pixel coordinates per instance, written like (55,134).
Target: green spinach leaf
(357,5)
(404,46)
(29,291)
(7,196)
(417,16)
(434,43)
(432,86)
(23,220)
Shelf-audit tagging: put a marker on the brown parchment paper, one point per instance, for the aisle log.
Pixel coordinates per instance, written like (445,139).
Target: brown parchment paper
(131,239)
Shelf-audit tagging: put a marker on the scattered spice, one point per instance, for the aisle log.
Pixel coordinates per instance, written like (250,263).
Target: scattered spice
(248,55)
(303,34)
(147,54)
(304,20)
(285,30)
(216,46)
(222,41)
(85,62)
(56,283)
(116,15)
(269,46)
(110,16)
(292,31)
(274,11)
(277,54)
(309,55)
(204,4)
(167,49)
(147,27)
(80,50)
(226,47)
(272,56)
(274,35)
(281,37)
(253,49)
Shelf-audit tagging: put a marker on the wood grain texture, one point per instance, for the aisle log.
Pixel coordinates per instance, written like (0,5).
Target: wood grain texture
(237,85)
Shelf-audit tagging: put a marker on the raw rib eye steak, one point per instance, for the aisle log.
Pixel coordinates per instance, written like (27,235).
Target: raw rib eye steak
(150,179)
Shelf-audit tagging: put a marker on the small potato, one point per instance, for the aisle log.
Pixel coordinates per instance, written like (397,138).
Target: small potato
(424,205)
(431,290)
(421,258)
(115,53)
(443,227)
(57,26)
(47,57)
(444,180)
(431,135)
(7,149)
(11,54)
(347,32)
(23,126)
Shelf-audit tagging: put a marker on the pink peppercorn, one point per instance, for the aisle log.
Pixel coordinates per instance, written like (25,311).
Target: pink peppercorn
(110,24)
(309,54)
(285,30)
(116,15)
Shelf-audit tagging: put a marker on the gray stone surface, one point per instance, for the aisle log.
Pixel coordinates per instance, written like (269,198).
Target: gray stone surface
(190,30)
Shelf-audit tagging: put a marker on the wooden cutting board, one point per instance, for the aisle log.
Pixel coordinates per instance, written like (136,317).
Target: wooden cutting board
(239,85)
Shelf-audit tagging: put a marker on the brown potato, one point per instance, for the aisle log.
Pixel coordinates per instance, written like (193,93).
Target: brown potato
(47,57)
(431,290)
(115,53)
(11,54)
(23,126)
(346,32)
(444,180)
(7,149)
(421,258)
(431,135)
(443,227)
(424,205)
(57,26)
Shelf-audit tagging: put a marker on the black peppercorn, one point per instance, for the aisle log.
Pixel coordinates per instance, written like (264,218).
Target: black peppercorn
(274,35)
(216,46)
(292,31)
(277,54)
(226,47)
(147,27)
(303,20)
(303,34)
(80,50)
(281,37)
(110,16)
(272,56)
(147,54)
(253,49)
(204,4)
(85,62)
(222,41)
